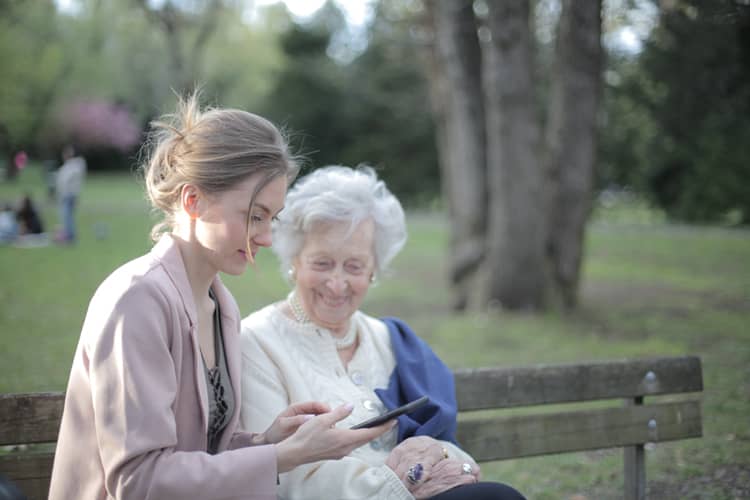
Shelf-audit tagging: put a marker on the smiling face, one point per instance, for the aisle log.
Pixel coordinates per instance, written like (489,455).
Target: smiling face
(225,225)
(333,272)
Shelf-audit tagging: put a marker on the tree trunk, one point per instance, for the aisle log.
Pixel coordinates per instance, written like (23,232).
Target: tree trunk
(515,264)
(185,61)
(571,140)
(456,95)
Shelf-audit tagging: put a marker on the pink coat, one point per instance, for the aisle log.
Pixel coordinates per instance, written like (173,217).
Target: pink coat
(136,408)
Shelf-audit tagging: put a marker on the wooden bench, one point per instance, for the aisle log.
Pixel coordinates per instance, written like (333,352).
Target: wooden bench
(34,418)
(631,425)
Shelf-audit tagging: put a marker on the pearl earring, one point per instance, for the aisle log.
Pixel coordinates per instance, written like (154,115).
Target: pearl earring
(292,275)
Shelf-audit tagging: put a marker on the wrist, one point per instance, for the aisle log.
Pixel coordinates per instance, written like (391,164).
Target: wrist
(286,457)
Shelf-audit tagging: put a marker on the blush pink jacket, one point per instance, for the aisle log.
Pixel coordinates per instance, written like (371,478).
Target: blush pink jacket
(136,407)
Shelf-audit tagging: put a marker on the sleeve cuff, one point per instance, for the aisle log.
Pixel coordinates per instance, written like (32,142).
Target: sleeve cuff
(394,487)
(242,440)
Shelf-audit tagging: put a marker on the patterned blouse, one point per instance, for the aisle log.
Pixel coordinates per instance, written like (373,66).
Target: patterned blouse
(221,404)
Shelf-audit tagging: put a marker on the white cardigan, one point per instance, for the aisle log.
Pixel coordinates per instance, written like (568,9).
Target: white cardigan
(285,362)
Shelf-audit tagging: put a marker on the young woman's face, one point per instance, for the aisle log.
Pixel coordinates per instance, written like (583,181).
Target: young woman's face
(224,222)
(333,272)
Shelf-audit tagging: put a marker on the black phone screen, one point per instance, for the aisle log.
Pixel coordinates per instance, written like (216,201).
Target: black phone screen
(391,414)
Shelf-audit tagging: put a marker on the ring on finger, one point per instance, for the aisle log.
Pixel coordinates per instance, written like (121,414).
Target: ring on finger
(445,453)
(415,473)
(466,468)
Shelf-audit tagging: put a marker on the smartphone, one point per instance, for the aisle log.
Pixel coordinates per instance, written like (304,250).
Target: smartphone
(384,417)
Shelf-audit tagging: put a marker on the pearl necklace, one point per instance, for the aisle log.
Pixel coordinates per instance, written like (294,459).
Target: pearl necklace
(300,316)
(347,340)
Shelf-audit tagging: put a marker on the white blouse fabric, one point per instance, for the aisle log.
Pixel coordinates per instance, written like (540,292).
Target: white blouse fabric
(285,362)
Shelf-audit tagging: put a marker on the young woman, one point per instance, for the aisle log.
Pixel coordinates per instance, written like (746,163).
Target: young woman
(152,405)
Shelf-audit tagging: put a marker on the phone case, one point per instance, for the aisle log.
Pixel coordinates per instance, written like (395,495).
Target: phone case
(384,417)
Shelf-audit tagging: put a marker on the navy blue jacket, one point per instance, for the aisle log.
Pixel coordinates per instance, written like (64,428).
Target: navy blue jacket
(419,372)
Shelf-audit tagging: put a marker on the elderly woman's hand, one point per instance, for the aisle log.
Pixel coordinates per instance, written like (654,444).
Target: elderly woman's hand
(445,475)
(423,465)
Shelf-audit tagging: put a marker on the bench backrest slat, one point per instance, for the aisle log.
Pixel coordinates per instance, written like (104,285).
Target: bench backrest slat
(30,418)
(499,438)
(485,388)
(27,466)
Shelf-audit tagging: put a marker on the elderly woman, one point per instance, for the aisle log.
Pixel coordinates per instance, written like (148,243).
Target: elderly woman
(339,230)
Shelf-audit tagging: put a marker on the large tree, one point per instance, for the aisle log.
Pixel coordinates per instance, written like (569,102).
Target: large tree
(539,182)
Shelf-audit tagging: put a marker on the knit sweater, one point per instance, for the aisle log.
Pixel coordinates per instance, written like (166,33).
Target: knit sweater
(286,362)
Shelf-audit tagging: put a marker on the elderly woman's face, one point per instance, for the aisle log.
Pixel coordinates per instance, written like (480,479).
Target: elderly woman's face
(333,272)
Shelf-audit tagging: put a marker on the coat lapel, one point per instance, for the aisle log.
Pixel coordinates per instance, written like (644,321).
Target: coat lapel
(168,253)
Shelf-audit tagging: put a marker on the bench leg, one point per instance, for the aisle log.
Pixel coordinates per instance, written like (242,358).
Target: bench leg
(635,465)
(635,473)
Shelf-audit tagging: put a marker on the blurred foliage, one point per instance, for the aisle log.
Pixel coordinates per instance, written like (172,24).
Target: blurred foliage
(373,109)
(115,53)
(34,62)
(390,108)
(676,126)
(674,114)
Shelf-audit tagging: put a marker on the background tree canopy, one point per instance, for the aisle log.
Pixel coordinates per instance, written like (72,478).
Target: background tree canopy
(672,119)
(373,109)
(676,125)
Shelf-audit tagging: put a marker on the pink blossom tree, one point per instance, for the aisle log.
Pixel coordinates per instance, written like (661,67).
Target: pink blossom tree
(95,124)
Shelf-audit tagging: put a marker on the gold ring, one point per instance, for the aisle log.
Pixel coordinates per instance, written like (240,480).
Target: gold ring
(445,454)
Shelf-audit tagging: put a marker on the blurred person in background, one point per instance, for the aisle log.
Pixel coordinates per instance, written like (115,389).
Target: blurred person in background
(20,159)
(340,229)
(50,177)
(69,181)
(152,404)
(8,224)
(29,220)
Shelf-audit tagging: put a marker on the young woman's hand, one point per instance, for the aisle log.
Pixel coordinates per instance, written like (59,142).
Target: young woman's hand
(423,465)
(319,439)
(289,421)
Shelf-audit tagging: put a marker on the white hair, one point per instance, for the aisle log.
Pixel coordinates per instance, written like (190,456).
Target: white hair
(340,194)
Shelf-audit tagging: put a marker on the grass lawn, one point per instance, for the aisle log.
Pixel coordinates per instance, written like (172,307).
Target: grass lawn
(649,288)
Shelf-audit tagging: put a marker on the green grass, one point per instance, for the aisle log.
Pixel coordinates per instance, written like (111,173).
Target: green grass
(648,289)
